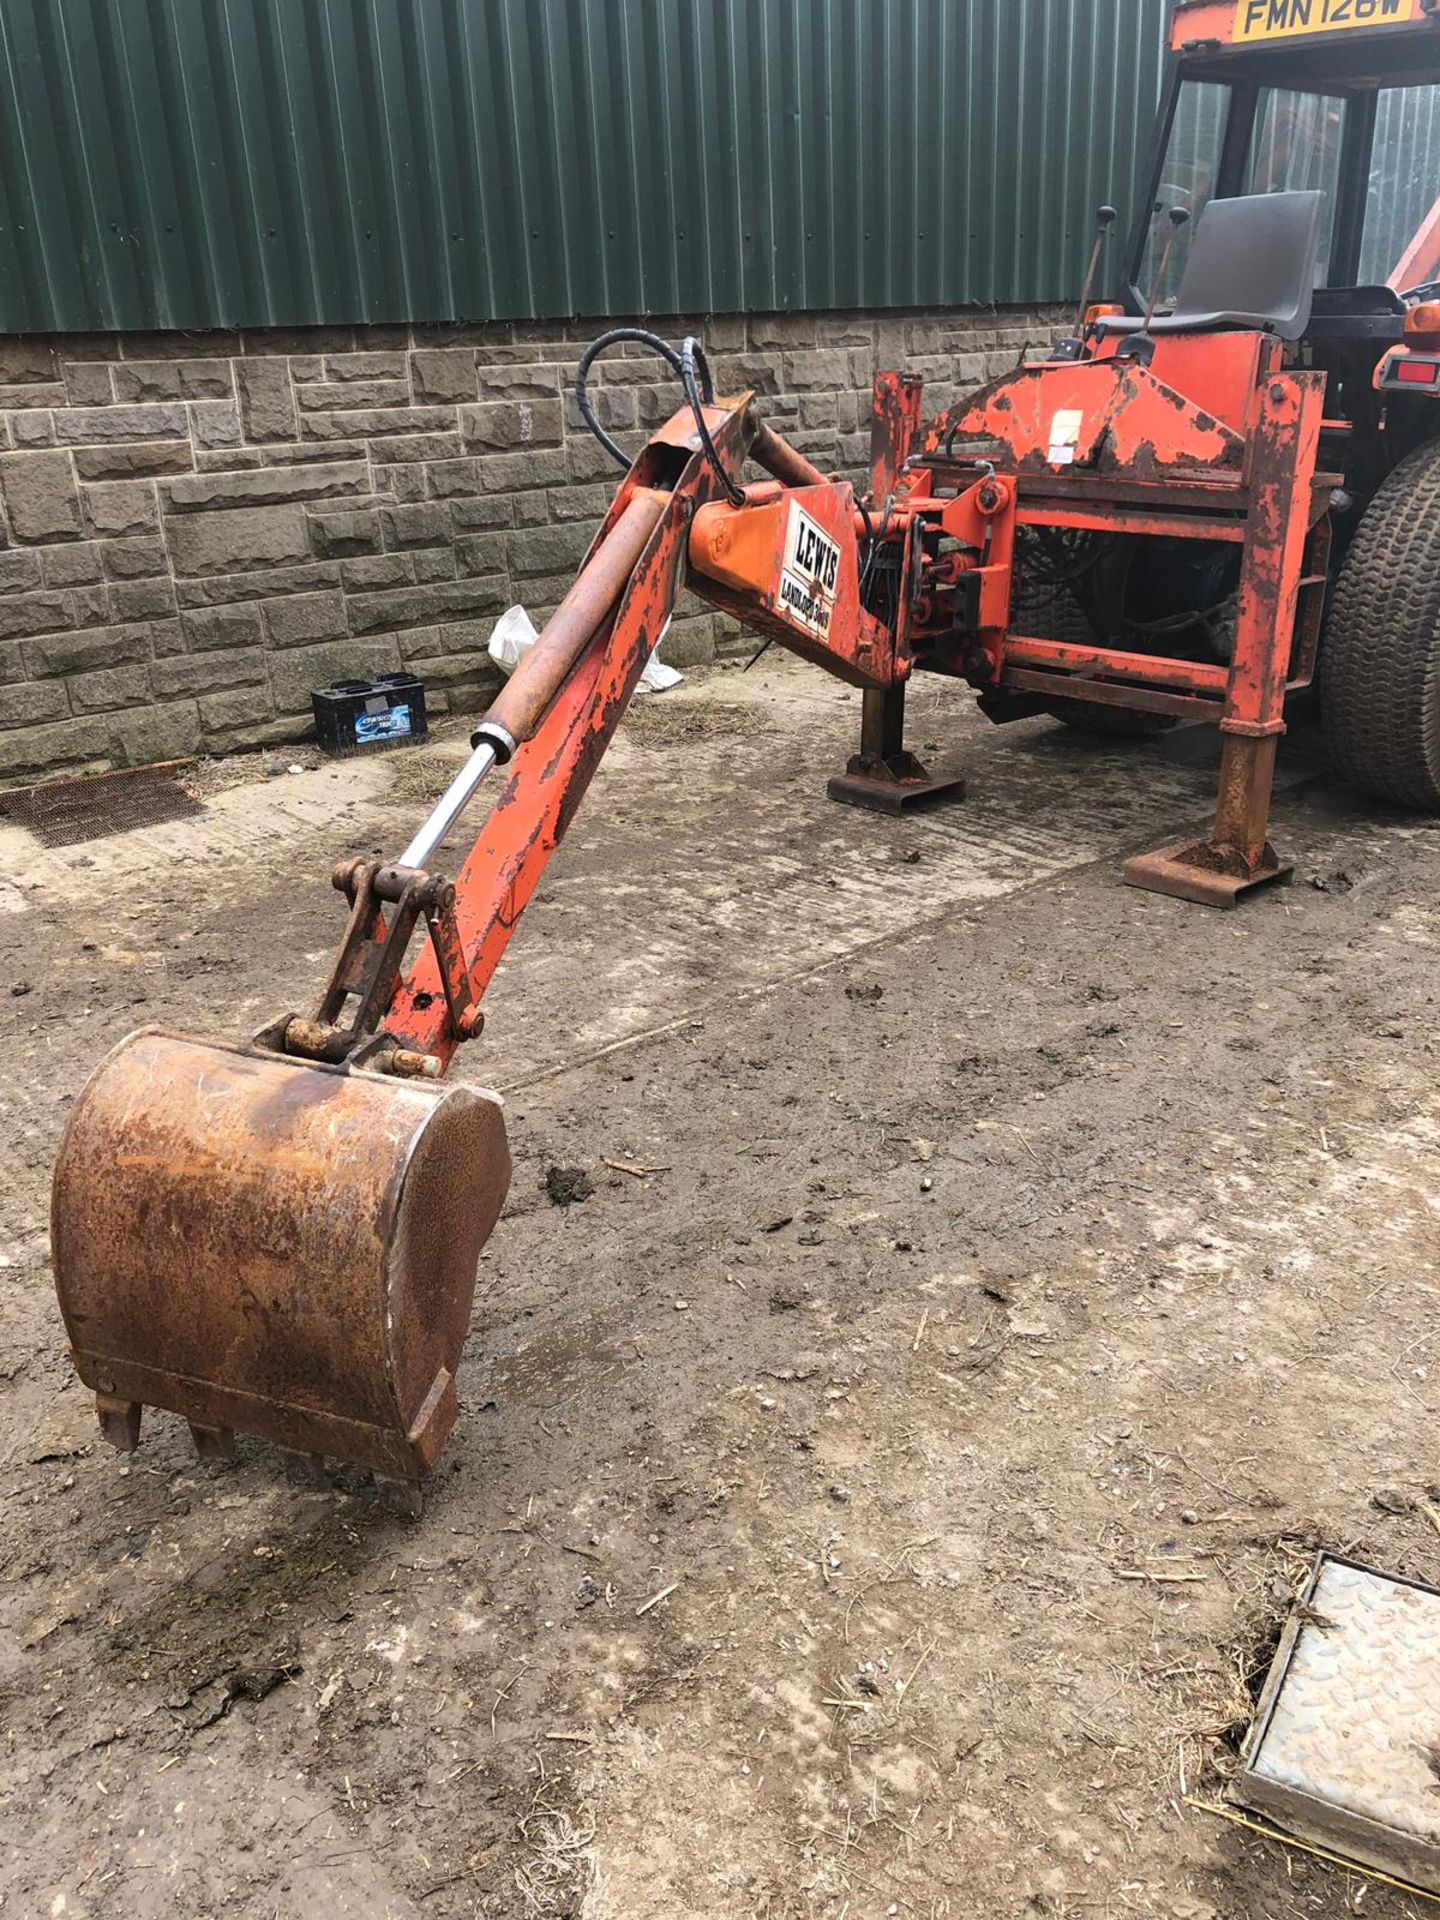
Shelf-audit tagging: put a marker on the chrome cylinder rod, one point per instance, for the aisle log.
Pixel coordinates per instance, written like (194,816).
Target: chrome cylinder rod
(449,807)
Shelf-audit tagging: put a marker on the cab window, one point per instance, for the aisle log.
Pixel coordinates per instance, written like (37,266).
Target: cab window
(1296,147)
(1187,176)
(1404,181)
(1295,144)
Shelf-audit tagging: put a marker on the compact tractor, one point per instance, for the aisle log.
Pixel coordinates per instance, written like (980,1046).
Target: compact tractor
(1214,490)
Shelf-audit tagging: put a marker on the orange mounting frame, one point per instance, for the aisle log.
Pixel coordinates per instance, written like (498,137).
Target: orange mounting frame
(1227,452)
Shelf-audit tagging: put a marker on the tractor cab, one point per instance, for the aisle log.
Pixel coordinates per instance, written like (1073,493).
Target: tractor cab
(1338,99)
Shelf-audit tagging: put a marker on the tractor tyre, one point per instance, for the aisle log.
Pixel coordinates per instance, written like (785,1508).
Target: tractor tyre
(1380,655)
(1050,613)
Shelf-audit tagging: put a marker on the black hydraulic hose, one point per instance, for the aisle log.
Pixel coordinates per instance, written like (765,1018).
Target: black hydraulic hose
(872,551)
(592,353)
(864,513)
(699,391)
(694,371)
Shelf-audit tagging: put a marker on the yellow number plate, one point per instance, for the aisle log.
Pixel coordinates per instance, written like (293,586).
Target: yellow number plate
(1281,19)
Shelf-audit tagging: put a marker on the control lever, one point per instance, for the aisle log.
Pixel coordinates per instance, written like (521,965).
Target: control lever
(1104,220)
(1179,217)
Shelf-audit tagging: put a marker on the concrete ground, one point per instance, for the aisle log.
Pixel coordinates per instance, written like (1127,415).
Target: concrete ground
(996,1283)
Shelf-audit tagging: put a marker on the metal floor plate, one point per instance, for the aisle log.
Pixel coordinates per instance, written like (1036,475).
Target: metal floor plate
(1345,1748)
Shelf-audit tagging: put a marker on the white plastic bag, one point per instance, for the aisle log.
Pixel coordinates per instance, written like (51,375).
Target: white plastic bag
(512,639)
(514,635)
(657,677)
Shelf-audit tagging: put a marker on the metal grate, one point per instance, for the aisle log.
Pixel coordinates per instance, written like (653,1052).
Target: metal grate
(1345,1747)
(63,813)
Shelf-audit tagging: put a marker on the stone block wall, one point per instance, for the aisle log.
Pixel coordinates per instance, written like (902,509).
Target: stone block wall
(198,530)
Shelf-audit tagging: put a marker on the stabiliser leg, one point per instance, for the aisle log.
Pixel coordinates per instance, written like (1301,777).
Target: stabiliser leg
(1237,857)
(884,777)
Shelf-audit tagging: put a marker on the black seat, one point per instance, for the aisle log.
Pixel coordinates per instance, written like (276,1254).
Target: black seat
(1252,264)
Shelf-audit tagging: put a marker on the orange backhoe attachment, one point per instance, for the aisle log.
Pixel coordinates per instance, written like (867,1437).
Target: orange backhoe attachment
(281,1237)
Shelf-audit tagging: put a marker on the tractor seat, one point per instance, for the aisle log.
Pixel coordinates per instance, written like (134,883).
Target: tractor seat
(1252,264)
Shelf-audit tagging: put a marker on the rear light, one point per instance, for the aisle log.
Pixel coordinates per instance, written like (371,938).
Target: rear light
(1424,320)
(1403,367)
(1105,311)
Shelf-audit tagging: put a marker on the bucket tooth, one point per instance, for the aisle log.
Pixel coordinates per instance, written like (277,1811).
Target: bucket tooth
(119,1421)
(213,1443)
(267,1245)
(305,1470)
(401,1496)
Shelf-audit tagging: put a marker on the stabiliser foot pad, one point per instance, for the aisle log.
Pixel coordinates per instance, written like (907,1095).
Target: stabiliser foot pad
(262,1245)
(1192,870)
(883,793)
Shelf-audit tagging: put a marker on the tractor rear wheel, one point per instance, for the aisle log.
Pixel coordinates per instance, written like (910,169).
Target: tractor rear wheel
(1380,658)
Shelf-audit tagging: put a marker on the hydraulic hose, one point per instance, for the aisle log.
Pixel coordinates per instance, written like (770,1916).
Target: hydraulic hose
(699,389)
(694,373)
(641,337)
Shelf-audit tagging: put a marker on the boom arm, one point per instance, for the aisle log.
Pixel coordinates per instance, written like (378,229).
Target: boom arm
(549,726)
(785,555)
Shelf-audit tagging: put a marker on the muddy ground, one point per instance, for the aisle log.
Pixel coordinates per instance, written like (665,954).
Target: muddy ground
(1023,1275)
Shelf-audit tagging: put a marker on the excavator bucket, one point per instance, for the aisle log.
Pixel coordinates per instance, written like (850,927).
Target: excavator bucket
(258,1243)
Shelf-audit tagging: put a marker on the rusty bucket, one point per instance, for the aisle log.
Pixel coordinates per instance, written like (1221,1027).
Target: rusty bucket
(257,1243)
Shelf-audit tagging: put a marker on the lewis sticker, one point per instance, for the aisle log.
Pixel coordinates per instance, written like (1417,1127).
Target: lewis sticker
(808,574)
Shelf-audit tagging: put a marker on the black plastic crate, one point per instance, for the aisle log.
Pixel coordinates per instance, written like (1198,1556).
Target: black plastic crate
(366,716)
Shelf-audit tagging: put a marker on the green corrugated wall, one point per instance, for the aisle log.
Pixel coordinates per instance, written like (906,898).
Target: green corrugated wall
(204,163)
